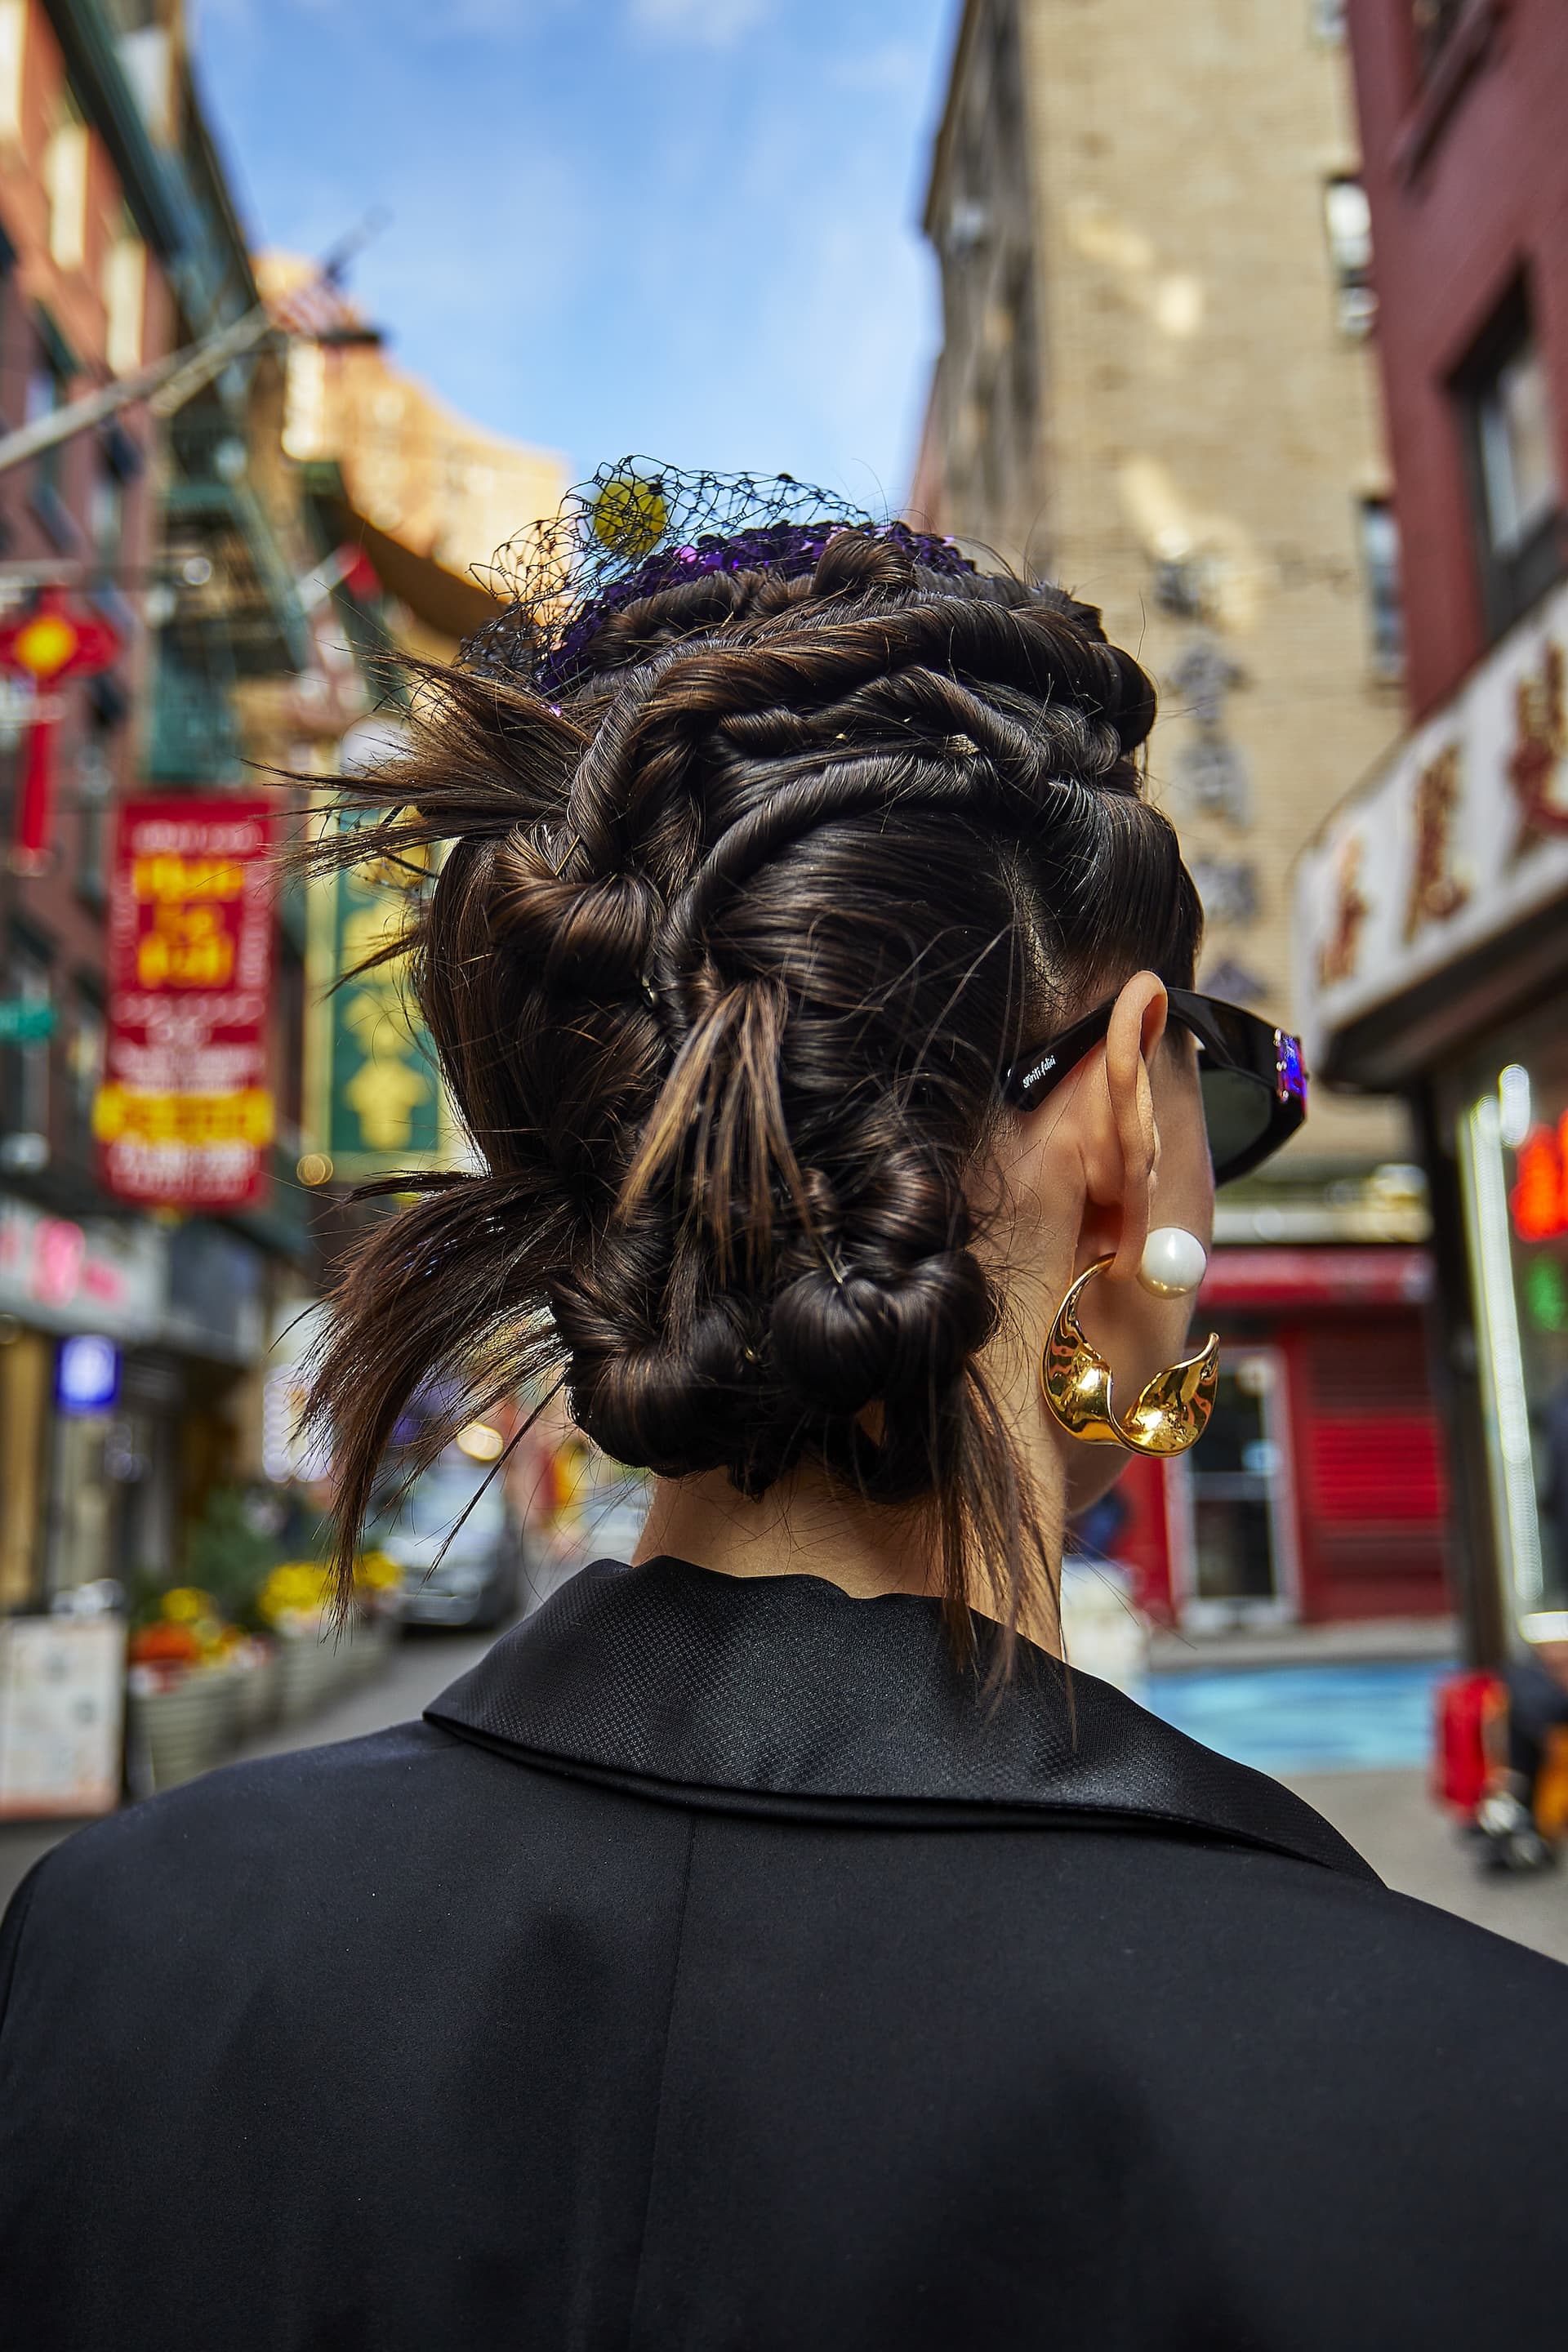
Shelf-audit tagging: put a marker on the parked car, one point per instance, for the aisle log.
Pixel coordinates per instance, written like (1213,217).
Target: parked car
(454,1537)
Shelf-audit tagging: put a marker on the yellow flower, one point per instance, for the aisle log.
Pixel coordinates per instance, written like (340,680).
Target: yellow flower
(184,1604)
(296,1588)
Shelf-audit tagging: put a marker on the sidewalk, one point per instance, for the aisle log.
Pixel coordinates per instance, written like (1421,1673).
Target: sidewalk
(1368,1641)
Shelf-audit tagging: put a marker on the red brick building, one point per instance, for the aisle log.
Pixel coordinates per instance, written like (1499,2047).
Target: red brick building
(83,296)
(118,244)
(1463,105)
(1433,907)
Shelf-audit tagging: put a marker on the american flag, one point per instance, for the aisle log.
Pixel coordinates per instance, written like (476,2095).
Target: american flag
(317,309)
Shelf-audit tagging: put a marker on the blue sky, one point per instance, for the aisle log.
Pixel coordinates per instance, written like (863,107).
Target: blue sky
(687,228)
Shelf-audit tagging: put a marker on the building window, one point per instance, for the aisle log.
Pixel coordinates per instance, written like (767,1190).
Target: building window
(48,389)
(84,1068)
(124,302)
(64,185)
(1380,563)
(1507,401)
(13,50)
(46,392)
(1518,472)
(106,515)
(95,792)
(1348,219)
(1433,21)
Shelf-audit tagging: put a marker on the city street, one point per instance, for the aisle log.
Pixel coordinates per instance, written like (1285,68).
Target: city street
(1387,1815)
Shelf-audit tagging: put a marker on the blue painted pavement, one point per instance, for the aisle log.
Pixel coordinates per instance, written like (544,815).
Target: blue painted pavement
(1321,1718)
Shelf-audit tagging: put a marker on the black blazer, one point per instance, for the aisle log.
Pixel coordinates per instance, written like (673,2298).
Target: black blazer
(716,1966)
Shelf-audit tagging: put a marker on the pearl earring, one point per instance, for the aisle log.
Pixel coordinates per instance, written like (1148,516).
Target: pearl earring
(1173,1262)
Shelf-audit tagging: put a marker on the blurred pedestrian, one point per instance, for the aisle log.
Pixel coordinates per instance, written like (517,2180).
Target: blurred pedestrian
(769,1944)
(1525,1811)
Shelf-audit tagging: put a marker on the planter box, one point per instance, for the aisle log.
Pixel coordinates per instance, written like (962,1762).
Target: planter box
(185,1728)
(370,1646)
(260,1693)
(318,1665)
(313,1669)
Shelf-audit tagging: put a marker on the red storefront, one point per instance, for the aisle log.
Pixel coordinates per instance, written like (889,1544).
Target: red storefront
(1319,1490)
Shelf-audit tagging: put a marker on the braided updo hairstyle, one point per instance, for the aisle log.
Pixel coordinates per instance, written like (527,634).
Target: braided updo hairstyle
(725,957)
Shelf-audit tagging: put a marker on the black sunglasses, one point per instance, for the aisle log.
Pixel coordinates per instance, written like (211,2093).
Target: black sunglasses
(1254,1084)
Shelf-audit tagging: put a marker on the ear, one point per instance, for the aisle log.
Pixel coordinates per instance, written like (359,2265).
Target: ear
(1127,1185)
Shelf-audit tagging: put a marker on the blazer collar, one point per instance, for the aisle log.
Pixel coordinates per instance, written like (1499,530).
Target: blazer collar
(784,1694)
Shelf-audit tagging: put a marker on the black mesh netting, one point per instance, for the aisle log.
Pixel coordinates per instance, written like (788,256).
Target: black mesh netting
(638,527)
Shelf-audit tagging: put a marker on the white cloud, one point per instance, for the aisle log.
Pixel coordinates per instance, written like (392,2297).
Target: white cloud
(705,23)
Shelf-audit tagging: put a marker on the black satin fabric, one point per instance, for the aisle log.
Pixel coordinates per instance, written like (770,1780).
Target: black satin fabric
(719,1966)
(782,1694)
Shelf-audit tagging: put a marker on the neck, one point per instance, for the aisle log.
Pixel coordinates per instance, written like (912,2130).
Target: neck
(804,1526)
(808,1525)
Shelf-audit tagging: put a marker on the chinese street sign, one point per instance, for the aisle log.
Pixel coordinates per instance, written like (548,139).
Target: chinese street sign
(376,1097)
(185,1115)
(55,641)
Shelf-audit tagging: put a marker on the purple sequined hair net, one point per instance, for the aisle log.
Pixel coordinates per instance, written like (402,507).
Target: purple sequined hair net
(638,527)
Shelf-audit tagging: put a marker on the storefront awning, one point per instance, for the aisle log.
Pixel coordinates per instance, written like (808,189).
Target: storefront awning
(1437,895)
(1316,1278)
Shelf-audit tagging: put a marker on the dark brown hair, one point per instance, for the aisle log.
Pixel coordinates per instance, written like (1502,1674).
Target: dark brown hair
(724,962)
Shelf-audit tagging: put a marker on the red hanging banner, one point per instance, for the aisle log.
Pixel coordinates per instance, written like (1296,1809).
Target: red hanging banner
(184,1118)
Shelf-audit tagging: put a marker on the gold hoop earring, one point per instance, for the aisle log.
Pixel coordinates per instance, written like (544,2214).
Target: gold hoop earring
(1172,1412)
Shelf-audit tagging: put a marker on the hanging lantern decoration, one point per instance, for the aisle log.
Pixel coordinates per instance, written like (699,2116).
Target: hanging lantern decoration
(54,642)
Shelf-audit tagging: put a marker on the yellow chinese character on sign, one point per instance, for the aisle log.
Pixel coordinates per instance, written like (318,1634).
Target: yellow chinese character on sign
(168,878)
(370,934)
(185,950)
(246,1116)
(383,1095)
(376,1018)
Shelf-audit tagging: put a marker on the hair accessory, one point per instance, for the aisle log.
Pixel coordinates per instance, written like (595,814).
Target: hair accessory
(1173,1262)
(637,527)
(1172,1412)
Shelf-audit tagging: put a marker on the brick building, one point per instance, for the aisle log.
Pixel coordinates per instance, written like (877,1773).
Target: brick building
(118,242)
(1434,906)
(1157,386)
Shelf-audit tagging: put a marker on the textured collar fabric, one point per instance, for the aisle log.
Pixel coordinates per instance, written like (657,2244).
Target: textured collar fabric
(781,1694)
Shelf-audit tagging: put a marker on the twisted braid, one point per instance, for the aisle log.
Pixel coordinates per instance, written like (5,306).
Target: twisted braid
(724,966)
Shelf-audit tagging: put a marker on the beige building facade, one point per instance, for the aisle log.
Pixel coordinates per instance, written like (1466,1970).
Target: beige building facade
(1158,387)
(433,481)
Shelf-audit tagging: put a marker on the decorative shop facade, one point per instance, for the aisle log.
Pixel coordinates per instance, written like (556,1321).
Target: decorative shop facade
(120,1339)
(1318,1493)
(1433,925)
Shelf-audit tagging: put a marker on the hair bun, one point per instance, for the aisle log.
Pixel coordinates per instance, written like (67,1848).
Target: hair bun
(593,936)
(671,1402)
(848,1344)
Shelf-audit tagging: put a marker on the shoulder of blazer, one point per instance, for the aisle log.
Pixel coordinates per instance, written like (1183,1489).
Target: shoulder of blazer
(782,1693)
